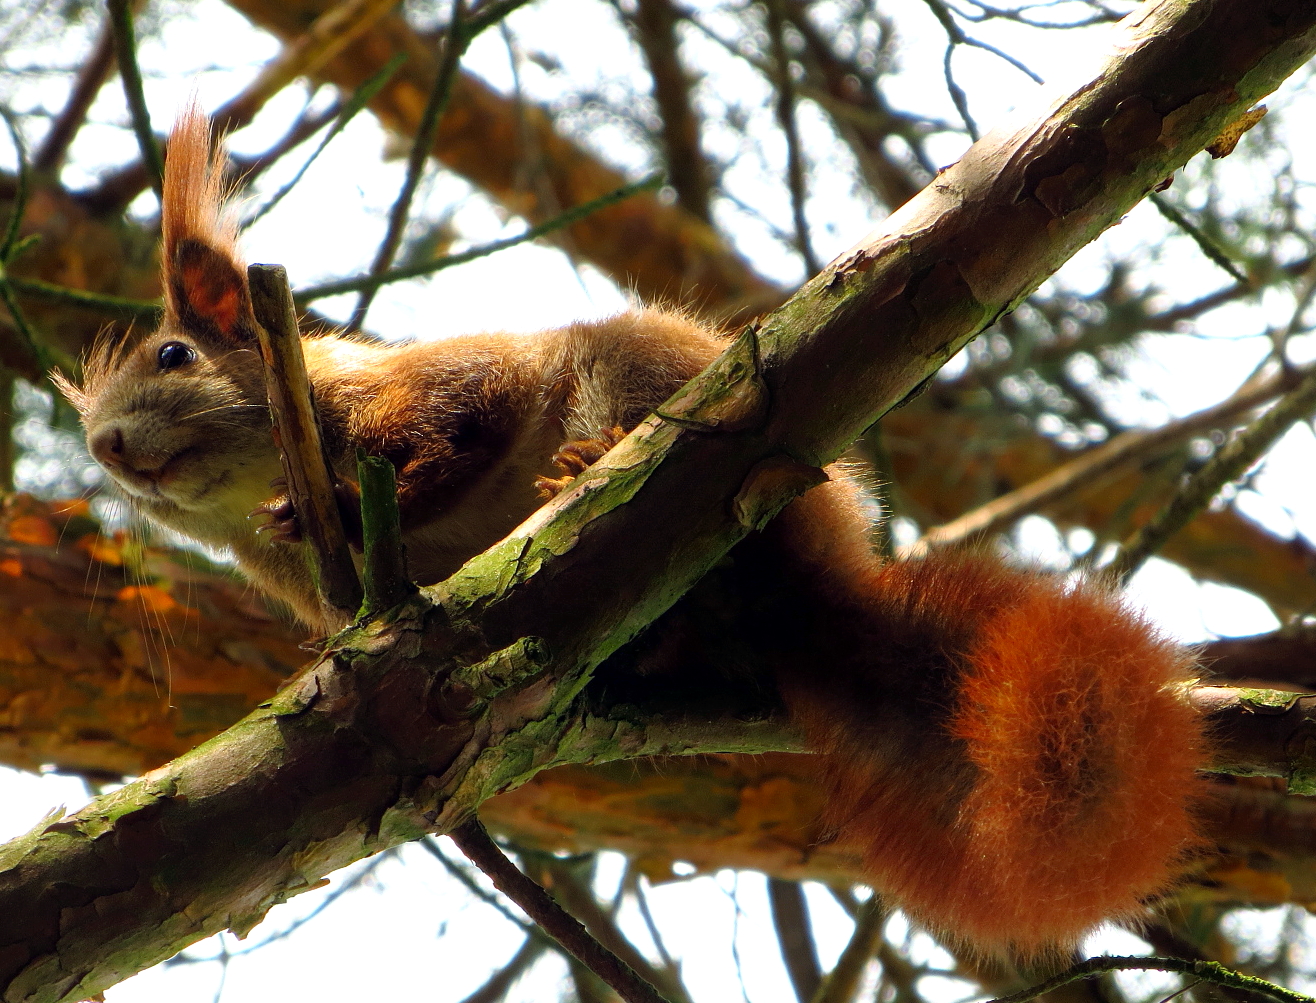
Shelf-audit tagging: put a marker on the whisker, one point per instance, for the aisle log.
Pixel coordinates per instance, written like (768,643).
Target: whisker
(216,409)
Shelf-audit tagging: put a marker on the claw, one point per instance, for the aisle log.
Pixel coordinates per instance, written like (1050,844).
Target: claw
(282,525)
(549,487)
(575,457)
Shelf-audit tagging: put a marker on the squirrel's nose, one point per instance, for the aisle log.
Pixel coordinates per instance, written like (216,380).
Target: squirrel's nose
(107,446)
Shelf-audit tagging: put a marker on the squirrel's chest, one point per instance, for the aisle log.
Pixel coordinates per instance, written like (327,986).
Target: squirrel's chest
(491,507)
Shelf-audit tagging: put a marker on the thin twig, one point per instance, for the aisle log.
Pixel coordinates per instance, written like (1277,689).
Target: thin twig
(30,341)
(848,90)
(297,432)
(871,117)
(642,901)
(6,430)
(19,206)
(785,107)
(576,895)
(1165,940)
(1229,463)
(1083,471)
(120,187)
(1207,971)
(1204,243)
(956,92)
(307,124)
(489,13)
(901,974)
(898,972)
(11,247)
(958,36)
(568,218)
(455,40)
(431,846)
(359,99)
(498,984)
(148,311)
(955,36)
(473,841)
(324,39)
(91,78)
(125,47)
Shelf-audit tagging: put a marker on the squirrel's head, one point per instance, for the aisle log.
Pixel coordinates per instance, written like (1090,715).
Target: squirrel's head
(178,417)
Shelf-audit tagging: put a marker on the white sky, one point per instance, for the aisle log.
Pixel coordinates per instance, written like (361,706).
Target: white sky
(412,931)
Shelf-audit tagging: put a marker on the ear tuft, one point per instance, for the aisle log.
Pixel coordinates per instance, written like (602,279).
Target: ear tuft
(205,282)
(209,292)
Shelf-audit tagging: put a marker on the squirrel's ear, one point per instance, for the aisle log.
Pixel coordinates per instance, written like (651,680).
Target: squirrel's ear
(208,292)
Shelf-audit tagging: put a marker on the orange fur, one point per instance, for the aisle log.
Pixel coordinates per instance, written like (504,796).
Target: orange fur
(1074,715)
(192,205)
(1014,755)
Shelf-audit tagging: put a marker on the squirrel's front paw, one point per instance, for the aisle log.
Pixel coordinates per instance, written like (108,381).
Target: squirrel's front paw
(282,524)
(575,456)
(281,517)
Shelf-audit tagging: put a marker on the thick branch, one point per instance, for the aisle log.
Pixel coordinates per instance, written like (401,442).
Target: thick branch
(655,24)
(1262,733)
(415,718)
(90,79)
(111,676)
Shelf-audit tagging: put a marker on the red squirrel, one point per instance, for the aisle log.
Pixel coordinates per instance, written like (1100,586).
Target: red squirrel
(1012,752)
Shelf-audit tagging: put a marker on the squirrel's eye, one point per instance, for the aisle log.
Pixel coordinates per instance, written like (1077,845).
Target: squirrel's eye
(174,354)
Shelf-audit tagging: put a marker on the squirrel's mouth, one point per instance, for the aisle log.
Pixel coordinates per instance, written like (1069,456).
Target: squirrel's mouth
(154,482)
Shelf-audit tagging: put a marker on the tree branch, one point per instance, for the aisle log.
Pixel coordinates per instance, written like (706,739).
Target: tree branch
(1228,464)
(333,31)
(125,48)
(790,919)
(662,251)
(91,78)
(1088,468)
(842,982)
(473,841)
(1206,971)
(785,108)
(297,434)
(654,23)
(455,40)
(572,889)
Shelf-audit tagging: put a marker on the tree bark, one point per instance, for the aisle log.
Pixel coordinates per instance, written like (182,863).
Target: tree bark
(411,720)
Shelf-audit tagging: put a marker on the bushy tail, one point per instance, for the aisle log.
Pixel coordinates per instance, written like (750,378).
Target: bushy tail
(1014,754)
